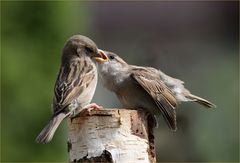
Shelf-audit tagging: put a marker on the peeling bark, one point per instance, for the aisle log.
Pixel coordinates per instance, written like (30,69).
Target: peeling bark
(112,135)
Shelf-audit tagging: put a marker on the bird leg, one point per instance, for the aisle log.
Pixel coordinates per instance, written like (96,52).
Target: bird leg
(92,106)
(86,110)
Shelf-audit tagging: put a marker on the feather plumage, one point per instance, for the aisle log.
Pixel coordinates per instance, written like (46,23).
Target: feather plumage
(75,84)
(145,87)
(164,99)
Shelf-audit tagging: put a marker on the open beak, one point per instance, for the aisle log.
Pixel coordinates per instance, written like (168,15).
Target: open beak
(102,57)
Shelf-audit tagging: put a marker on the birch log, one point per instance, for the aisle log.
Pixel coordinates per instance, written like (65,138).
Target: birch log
(111,135)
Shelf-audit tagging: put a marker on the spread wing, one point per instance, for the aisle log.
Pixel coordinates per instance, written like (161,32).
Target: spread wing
(71,82)
(159,92)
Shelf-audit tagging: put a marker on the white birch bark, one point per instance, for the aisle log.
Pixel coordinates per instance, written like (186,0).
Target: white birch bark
(111,135)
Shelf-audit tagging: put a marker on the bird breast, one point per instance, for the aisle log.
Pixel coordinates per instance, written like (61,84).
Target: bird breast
(87,94)
(110,79)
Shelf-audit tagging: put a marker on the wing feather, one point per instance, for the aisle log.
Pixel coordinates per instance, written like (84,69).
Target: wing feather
(159,92)
(72,80)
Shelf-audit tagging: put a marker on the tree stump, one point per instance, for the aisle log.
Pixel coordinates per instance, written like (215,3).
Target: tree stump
(112,135)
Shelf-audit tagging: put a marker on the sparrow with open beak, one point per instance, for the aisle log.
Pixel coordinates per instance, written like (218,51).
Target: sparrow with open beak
(144,87)
(75,84)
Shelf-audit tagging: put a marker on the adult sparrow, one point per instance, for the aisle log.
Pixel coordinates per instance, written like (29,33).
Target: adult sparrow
(144,87)
(75,84)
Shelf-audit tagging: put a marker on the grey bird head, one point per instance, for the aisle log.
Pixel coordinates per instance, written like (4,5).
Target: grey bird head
(112,69)
(110,62)
(79,46)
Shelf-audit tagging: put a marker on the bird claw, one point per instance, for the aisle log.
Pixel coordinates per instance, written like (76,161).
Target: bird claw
(91,107)
(86,110)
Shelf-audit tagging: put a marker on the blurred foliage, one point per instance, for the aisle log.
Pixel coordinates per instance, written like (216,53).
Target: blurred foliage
(33,34)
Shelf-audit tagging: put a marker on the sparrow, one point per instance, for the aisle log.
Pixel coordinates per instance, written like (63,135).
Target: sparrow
(75,85)
(144,87)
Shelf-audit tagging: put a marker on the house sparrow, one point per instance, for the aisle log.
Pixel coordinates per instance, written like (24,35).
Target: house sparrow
(75,84)
(144,87)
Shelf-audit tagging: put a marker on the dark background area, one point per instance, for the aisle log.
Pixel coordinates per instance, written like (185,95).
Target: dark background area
(196,42)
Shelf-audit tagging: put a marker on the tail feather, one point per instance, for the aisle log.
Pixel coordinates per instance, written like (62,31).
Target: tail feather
(201,101)
(47,133)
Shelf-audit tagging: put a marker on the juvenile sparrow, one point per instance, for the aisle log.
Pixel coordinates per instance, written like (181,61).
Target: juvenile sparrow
(75,84)
(144,87)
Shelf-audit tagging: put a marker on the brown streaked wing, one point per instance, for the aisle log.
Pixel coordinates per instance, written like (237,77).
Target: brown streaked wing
(71,83)
(158,91)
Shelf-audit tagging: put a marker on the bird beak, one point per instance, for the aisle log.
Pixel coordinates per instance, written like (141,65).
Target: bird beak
(102,57)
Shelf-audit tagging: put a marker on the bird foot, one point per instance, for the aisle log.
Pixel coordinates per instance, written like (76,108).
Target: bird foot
(91,107)
(86,110)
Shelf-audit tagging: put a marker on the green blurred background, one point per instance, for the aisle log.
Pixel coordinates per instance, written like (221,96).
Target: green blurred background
(194,41)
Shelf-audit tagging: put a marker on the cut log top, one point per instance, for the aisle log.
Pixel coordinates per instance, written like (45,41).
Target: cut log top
(112,135)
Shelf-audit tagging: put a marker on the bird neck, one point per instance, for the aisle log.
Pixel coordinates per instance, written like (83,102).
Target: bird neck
(113,80)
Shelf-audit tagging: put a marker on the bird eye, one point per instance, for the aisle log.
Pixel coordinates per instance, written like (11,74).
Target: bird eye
(89,50)
(111,57)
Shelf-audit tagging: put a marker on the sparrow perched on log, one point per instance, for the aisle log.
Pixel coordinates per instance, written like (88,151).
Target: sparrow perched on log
(75,84)
(144,87)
